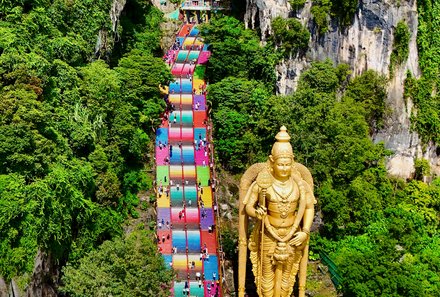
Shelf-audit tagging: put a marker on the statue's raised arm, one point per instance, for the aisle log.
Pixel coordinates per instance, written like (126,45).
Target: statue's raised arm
(278,195)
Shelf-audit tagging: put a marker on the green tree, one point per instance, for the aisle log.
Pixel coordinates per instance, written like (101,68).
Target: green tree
(290,36)
(237,52)
(297,4)
(344,10)
(18,244)
(236,117)
(426,120)
(369,89)
(400,46)
(320,11)
(128,266)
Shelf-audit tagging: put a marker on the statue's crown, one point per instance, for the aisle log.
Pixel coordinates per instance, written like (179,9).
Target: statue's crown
(282,147)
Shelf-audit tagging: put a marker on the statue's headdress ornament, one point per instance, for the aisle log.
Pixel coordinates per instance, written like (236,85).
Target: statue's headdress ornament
(282,147)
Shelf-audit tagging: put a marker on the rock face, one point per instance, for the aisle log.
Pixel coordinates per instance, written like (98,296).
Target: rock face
(105,40)
(3,287)
(115,12)
(260,12)
(44,280)
(168,29)
(44,277)
(165,5)
(366,44)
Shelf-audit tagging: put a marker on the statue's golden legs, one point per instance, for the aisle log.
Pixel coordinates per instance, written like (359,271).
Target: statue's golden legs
(277,279)
(268,276)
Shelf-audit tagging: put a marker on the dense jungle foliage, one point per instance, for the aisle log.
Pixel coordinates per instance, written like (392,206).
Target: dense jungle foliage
(381,232)
(76,125)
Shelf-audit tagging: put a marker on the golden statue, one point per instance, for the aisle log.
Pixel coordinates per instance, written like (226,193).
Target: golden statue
(279,195)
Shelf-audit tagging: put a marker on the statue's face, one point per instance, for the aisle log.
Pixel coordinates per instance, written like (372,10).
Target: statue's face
(282,168)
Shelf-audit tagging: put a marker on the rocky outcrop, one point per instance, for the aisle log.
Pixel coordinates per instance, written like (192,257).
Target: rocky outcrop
(115,12)
(260,12)
(105,39)
(168,29)
(165,5)
(366,44)
(44,277)
(44,280)
(3,288)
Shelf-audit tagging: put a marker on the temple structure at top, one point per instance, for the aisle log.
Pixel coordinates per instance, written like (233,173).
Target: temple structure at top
(199,11)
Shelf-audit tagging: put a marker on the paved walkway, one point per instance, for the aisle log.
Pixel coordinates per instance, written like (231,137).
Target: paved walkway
(186,208)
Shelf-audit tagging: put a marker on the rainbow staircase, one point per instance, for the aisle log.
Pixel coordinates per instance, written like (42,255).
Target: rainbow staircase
(186,208)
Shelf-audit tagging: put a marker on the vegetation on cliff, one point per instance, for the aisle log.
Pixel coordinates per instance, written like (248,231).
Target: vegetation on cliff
(289,36)
(341,10)
(424,92)
(400,47)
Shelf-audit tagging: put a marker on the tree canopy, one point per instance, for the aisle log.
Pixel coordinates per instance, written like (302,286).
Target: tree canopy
(129,266)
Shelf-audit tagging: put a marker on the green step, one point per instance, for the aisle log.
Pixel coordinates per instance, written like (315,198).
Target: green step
(203,175)
(162,175)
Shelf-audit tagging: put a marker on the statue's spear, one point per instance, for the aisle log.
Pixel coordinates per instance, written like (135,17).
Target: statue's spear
(262,203)
(264,181)
(258,173)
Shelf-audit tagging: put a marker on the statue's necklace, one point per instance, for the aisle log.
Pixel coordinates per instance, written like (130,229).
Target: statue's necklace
(284,206)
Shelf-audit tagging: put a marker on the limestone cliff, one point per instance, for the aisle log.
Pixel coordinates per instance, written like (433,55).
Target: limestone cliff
(366,44)
(260,12)
(44,281)
(105,40)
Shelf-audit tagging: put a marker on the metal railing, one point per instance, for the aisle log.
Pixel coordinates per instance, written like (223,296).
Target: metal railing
(332,268)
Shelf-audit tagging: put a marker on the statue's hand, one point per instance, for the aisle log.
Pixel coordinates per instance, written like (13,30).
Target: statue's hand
(298,239)
(260,212)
